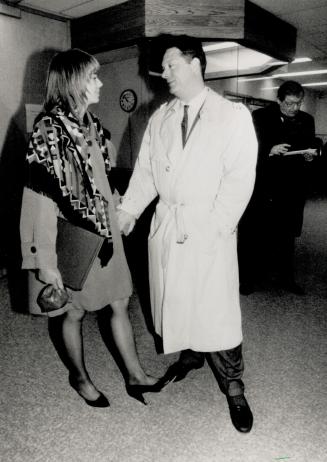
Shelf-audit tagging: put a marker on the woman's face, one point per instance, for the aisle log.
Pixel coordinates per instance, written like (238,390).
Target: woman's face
(93,89)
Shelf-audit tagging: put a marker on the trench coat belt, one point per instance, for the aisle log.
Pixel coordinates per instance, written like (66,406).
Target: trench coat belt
(177,210)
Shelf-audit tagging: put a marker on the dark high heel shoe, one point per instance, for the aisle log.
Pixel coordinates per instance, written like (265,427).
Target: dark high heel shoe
(101,401)
(136,391)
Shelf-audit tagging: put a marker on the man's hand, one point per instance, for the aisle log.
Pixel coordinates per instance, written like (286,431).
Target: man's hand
(51,276)
(279,149)
(126,222)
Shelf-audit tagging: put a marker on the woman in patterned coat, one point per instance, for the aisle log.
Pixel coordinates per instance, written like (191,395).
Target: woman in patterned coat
(68,162)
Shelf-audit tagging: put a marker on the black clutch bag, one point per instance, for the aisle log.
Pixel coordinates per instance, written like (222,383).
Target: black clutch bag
(76,250)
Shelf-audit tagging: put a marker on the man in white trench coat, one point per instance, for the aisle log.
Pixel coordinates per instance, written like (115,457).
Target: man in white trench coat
(201,162)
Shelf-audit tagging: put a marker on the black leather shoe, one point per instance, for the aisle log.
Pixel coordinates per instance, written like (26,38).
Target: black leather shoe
(136,390)
(101,401)
(178,371)
(240,413)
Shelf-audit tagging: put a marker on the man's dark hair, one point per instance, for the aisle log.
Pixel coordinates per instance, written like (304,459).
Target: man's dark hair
(189,46)
(289,88)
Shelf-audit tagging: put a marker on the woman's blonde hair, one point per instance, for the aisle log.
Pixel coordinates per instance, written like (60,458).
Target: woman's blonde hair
(68,75)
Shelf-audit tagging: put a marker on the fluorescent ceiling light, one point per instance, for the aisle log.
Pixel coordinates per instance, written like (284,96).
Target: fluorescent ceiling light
(255,79)
(277,63)
(285,74)
(301,60)
(293,74)
(219,46)
(295,61)
(314,84)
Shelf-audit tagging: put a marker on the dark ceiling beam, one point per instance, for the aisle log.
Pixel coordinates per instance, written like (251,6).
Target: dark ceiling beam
(135,20)
(264,32)
(111,28)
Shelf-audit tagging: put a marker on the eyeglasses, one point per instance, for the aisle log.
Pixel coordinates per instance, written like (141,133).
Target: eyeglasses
(291,104)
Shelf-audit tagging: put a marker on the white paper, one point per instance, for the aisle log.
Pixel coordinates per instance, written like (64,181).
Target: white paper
(313,152)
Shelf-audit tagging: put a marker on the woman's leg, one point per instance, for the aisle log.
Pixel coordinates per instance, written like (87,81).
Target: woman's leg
(123,336)
(66,334)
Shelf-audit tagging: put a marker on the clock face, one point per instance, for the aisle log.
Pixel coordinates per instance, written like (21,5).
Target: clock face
(128,100)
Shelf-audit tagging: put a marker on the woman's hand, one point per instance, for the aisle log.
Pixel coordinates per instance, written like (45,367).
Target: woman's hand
(126,222)
(51,276)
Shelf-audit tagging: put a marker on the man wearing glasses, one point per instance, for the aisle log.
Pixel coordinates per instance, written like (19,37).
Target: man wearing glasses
(274,216)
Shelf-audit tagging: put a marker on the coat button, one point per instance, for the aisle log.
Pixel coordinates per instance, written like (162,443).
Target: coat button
(168,168)
(33,249)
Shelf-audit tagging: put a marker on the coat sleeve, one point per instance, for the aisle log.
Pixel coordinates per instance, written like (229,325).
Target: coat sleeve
(141,189)
(238,177)
(311,131)
(38,221)
(38,231)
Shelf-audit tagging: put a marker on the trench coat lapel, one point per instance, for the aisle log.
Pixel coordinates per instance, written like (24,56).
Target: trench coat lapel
(169,135)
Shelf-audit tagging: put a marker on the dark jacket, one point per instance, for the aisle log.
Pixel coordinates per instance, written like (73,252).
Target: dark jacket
(281,182)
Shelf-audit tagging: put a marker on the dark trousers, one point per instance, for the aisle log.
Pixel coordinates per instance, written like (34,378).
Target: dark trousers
(227,366)
(283,257)
(252,245)
(266,246)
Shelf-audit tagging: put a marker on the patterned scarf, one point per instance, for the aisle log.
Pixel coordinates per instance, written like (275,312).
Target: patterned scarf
(60,167)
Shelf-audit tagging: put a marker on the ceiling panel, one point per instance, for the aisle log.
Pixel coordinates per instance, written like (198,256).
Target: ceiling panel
(320,38)
(55,7)
(308,19)
(283,7)
(71,8)
(84,8)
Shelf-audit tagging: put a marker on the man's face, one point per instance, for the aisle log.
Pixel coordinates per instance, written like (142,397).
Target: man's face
(291,105)
(177,71)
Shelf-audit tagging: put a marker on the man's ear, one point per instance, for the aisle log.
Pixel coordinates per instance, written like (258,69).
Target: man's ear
(196,65)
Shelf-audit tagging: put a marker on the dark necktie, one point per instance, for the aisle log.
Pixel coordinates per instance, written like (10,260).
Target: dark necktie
(184,124)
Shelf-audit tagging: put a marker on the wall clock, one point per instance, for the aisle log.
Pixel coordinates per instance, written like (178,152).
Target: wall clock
(128,100)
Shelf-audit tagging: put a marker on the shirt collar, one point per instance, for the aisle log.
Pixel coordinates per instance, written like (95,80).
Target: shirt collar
(196,102)
(176,105)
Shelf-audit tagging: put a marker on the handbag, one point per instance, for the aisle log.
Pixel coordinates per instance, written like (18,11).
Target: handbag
(52,299)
